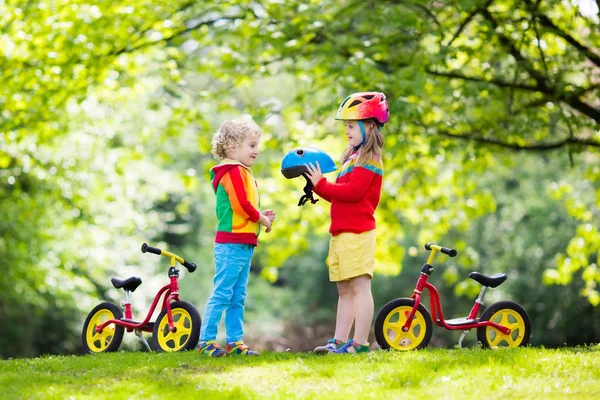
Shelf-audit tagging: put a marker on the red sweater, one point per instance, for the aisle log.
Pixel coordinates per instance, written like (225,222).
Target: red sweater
(354,196)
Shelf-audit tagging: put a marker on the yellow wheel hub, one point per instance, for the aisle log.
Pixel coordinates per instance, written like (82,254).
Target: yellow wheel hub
(511,320)
(392,329)
(99,341)
(174,341)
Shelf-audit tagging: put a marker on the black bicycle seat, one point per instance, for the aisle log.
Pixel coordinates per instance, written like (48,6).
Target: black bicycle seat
(127,284)
(489,281)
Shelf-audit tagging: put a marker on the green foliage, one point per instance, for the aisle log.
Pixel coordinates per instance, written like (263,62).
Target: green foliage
(77,180)
(583,251)
(107,111)
(522,238)
(464,79)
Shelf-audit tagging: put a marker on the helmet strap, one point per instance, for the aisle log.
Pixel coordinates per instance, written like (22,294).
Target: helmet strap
(308,193)
(364,135)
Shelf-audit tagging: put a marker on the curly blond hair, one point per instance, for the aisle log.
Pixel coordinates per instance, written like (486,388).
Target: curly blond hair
(231,135)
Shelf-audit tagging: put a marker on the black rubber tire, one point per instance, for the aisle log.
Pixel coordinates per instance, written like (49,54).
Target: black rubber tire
(112,342)
(391,306)
(187,341)
(522,338)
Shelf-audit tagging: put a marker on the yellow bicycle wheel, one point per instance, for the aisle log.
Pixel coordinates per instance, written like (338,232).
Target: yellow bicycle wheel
(508,314)
(186,321)
(111,336)
(391,319)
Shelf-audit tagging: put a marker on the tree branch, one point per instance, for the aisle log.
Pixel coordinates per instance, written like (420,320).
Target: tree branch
(427,12)
(493,81)
(462,26)
(587,109)
(510,46)
(583,49)
(572,99)
(567,142)
(145,28)
(422,8)
(581,91)
(173,36)
(542,81)
(547,23)
(577,93)
(539,45)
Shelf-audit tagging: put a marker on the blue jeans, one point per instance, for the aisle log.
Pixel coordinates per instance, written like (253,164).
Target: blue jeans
(232,267)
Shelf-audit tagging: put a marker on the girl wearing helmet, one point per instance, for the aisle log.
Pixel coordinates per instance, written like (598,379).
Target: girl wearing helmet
(354,197)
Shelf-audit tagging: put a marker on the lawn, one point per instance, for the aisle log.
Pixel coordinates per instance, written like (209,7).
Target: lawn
(431,373)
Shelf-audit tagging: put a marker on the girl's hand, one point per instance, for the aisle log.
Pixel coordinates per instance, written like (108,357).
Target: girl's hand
(269,214)
(266,222)
(314,173)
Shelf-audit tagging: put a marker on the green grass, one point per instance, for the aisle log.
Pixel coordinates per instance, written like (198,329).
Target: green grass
(438,373)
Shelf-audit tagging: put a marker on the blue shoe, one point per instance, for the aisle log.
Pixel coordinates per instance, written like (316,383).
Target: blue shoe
(352,348)
(210,348)
(332,345)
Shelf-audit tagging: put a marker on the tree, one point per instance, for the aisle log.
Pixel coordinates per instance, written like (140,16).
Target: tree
(465,79)
(107,112)
(77,189)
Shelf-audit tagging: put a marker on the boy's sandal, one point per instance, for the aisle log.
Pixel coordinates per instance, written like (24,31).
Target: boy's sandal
(210,348)
(239,348)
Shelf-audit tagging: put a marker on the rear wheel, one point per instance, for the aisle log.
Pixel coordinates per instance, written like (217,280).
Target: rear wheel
(391,318)
(510,315)
(186,321)
(111,336)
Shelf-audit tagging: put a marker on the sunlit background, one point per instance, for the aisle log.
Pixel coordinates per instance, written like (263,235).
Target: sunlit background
(107,110)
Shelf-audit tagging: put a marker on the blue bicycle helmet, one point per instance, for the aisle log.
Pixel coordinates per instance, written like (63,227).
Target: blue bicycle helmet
(295,162)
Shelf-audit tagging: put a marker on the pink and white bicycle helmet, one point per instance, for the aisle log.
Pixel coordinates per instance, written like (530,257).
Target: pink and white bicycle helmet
(364,105)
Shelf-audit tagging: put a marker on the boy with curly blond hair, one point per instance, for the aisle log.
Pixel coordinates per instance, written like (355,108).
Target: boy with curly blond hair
(236,144)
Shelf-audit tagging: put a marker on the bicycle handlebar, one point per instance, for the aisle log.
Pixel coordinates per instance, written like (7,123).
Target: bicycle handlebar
(149,249)
(154,250)
(446,250)
(190,266)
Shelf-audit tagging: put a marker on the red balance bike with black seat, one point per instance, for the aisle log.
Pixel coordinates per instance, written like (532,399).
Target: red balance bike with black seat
(177,327)
(405,323)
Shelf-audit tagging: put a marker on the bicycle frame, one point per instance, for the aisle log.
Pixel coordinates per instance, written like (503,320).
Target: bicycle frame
(170,291)
(436,305)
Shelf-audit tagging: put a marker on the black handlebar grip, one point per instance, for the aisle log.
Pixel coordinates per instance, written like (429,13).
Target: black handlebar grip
(190,266)
(150,249)
(445,250)
(450,252)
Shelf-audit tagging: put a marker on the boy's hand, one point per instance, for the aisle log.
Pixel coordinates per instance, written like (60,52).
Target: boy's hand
(314,173)
(265,221)
(270,214)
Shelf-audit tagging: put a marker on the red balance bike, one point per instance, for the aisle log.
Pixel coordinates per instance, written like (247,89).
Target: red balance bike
(177,327)
(405,323)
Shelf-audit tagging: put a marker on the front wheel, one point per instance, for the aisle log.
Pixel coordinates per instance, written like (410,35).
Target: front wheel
(510,315)
(391,318)
(111,336)
(186,321)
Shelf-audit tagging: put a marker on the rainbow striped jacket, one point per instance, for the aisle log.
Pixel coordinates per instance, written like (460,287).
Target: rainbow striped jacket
(237,204)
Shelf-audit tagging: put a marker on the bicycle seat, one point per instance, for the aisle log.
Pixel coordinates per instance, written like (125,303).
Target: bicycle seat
(127,284)
(490,281)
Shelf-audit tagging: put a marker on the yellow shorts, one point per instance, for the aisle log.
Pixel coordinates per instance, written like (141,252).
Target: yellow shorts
(351,255)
